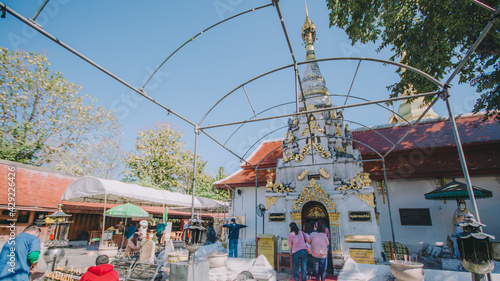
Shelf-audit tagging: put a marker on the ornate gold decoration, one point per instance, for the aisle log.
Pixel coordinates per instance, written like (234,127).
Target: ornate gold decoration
(316,212)
(270,201)
(377,216)
(289,137)
(334,216)
(323,173)
(347,128)
(368,198)
(295,121)
(322,152)
(296,216)
(288,156)
(269,176)
(314,127)
(337,130)
(303,152)
(340,149)
(302,175)
(366,179)
(314,192)
(333,114)
(357,182)
(310,107)
(278,187)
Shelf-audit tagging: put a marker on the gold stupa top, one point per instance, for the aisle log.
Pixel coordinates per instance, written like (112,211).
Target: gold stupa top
(309,36)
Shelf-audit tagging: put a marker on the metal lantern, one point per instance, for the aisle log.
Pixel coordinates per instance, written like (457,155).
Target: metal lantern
(475,248)
(194,236)
(58,236)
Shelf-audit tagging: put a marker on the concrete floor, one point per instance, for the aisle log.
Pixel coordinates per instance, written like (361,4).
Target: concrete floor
(80,258)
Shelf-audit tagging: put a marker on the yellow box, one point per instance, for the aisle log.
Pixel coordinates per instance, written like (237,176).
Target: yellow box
(268,246)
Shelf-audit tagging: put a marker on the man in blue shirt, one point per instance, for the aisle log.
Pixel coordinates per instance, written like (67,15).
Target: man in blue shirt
(234,235)
(211,235)
(131,230)
(19,256)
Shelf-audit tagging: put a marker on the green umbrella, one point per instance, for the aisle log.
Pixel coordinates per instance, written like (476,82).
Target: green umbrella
(127,211)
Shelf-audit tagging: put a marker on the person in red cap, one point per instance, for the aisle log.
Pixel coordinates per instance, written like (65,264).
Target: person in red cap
(103,271)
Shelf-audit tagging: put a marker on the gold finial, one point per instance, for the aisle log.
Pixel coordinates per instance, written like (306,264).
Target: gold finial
(309,36)
(307,12)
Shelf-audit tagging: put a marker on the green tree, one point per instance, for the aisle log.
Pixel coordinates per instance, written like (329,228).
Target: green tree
(160,160)
(205,186)
(432,36)
(158,156)
(45,121)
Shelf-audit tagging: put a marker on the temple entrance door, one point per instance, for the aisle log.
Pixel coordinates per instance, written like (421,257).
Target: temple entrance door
(313,212)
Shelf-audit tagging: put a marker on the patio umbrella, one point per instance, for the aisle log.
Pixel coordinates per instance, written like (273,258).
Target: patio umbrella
(126,211)
(456,190)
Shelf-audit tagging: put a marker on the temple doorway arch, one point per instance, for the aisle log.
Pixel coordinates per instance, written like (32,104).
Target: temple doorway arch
(312,212)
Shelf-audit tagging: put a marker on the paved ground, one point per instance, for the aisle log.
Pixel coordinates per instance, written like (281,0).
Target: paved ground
(80,258)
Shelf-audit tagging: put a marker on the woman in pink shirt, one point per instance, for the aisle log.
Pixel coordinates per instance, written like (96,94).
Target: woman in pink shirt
(319,250)
(297,241)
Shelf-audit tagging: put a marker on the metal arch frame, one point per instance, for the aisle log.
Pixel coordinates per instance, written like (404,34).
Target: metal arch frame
(410,68)
(198,34)
(444,94)
(331,95)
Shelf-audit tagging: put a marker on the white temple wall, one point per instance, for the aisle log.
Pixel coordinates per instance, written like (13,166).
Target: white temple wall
(410,194)
(244,205)
(351,203)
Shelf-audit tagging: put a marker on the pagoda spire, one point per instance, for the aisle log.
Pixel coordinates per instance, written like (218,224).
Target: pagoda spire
(309,36)
(313,83)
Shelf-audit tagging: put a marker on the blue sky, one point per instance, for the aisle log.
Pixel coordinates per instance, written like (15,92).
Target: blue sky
(131,39)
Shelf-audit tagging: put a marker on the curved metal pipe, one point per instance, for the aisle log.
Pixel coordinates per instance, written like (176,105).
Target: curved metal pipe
(407,67)
(200,33)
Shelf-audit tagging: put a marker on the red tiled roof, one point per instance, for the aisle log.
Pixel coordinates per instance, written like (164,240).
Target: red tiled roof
(40,189)
(429,150)
(34,186)
(268,152)
(429,134)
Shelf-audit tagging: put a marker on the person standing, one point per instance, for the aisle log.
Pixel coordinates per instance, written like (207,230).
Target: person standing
(120,227)
(19,256)
(160,228)
(103,271)
(234,235)
(297,241)
(319,251)
(211,235)
(131,230)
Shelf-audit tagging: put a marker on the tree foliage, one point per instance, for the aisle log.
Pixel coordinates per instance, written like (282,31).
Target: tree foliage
(206,188)
(46,121)
(432,36)
(160,159)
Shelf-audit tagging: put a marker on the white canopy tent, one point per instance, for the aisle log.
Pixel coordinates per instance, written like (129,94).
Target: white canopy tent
(96,190)
(206,205)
